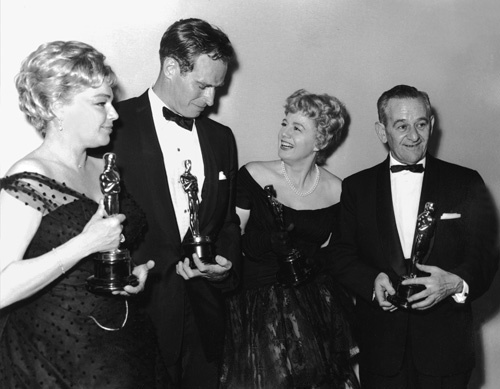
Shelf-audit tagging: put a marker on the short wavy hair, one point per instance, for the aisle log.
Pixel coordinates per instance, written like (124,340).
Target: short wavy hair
(187,39)
(328,113)
(54,73)
(400,92)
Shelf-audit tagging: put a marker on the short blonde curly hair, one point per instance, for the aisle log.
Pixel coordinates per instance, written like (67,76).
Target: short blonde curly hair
(54,73)
(328,113)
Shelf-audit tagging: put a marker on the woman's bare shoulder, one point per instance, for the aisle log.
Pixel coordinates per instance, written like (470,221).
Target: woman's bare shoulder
(29,163)
(331,184)
(331,178)
(263,172)
(262,169)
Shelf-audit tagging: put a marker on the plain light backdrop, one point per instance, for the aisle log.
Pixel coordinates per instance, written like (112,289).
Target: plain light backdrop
(353,49)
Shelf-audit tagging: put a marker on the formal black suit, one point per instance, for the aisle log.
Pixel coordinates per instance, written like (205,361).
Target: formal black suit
(441,337)
(140,161)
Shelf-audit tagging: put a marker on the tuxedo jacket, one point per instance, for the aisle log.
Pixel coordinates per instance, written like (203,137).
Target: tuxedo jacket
(464,243)
(142,169)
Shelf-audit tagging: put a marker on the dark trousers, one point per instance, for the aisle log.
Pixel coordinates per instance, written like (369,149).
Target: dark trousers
(192,370)
(410,378)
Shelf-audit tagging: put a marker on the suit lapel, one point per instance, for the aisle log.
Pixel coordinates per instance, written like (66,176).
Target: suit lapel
(210,187)
(386,221)
(430,192)
(154,169)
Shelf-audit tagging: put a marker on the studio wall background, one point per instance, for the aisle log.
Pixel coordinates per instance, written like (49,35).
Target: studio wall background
(353,49)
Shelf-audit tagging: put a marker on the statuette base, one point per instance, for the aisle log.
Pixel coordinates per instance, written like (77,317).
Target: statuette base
(293,270)
(112,272)
(201,246)
(404,292)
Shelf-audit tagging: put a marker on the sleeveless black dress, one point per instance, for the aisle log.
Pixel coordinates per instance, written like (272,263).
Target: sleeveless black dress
(296,337)
(52,339)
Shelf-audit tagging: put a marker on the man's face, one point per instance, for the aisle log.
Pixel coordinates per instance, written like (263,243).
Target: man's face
(408,129)
(190,93)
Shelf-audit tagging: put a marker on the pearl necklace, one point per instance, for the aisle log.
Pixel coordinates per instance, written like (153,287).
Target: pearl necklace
(294,189)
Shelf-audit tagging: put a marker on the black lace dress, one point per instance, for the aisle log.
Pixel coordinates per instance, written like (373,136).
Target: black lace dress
(52,340)
(278,337)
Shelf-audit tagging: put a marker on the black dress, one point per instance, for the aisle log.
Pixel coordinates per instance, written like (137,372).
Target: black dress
(295,337)
(52,339)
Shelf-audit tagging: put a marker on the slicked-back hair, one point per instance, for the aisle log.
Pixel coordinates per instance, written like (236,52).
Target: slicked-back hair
(54,73)
(328,113)
(400,92)
(187,39)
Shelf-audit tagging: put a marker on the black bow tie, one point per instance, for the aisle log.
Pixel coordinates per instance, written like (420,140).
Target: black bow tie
(180,120)
(418,168)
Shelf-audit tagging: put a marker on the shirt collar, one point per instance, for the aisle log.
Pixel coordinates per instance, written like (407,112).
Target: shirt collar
(393,161)
(156,103)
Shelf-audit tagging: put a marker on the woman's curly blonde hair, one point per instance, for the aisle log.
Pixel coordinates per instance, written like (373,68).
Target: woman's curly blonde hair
(54,73)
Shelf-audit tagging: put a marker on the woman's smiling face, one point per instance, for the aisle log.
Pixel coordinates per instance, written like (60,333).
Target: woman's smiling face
(297,136)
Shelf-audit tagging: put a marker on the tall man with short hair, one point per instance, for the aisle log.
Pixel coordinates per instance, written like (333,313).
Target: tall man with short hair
(429,345)
(156,134)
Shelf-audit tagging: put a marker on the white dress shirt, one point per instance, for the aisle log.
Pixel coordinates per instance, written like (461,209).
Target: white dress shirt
(406,188)
(177,144)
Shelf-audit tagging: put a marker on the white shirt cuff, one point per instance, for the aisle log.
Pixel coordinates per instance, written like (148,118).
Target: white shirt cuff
(462,296)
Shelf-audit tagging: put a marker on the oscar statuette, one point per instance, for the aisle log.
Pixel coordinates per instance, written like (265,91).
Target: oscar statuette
(426,223)
(197,243)
(293,267)
(112,269)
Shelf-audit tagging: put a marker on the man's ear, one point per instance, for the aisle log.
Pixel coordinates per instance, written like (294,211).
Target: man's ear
(380,130)
(170,67)
(432,124)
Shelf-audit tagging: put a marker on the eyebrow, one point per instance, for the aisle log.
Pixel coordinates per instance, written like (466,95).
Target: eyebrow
(205,85)
(105,95)
(417,120)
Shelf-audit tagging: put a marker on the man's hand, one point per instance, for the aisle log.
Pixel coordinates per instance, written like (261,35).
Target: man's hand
(217,272)
(382,287)
(141,272)
(439,285)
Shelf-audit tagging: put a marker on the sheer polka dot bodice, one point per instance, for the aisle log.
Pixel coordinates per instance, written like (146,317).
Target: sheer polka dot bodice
(49,339)
(65,211)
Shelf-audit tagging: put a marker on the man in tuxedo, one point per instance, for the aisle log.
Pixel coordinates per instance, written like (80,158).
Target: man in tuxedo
(155,136)
(429,345)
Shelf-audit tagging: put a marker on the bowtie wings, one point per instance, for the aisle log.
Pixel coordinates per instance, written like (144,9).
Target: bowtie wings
(186,123)
(418,168)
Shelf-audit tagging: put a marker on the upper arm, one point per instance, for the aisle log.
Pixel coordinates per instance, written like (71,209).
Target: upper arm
(481,253)
(243,214)
(334,186)
(18,225)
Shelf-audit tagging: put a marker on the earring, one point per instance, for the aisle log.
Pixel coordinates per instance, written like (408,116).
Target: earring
(60,124)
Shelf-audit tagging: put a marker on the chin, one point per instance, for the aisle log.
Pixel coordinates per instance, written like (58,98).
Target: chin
(103,141)
(193,115)
(282,153)
(415,160)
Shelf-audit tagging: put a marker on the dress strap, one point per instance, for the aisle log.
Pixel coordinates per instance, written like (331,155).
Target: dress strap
(38,191)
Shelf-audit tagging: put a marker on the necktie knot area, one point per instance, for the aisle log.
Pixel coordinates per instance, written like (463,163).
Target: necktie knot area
(418,168)
(186,123)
